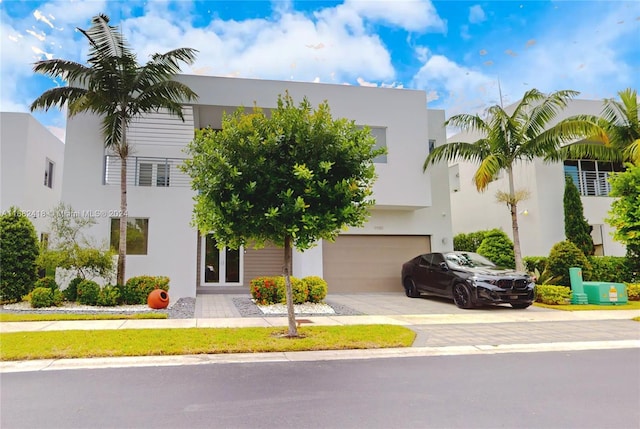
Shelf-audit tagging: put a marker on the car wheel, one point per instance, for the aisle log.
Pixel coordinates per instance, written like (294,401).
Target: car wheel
(462,296)
(520,305)
(410,288)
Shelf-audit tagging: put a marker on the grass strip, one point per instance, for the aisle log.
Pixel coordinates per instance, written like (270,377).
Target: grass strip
(155,342)
(39,317)
(631,305)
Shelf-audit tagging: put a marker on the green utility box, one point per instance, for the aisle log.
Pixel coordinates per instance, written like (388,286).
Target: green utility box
(605,293)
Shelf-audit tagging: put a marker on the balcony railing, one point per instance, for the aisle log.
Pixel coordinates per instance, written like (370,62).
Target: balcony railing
(592,183)
(146,171)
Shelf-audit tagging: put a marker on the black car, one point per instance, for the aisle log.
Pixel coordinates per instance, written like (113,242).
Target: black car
(470,279)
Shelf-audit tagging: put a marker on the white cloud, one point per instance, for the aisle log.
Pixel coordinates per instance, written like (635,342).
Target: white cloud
(456,88)
(412,15)
(476,14)
(333,46)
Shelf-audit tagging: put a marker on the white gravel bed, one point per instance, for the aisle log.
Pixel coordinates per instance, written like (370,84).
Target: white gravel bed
(72,307)
(306,308)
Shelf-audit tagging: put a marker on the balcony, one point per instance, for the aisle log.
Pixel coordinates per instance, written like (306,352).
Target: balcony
(592,183)
(146,171)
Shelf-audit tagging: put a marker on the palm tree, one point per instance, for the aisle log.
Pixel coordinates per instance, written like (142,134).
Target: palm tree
(621,123)
(509,138)
(114,86)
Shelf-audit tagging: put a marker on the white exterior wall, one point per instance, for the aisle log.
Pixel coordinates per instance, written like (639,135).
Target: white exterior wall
(404,199)
(25,146)
(543,225)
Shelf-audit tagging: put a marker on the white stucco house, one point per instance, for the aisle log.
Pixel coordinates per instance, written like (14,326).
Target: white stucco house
(31,159)
(541,216)
(411,215)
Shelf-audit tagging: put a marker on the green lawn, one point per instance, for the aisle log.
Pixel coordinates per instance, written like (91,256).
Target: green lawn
(631,305)
(36,317)
(154,342)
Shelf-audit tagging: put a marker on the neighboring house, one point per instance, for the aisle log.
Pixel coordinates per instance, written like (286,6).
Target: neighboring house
(411,216)
(31,160)
(541,216)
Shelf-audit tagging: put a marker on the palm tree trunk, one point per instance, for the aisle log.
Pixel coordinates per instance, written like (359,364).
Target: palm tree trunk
(513,207)
(122,245)
(293,330)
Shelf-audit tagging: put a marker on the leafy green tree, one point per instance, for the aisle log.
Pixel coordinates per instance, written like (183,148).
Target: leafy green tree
(18,253)
(565,255)
(114,86)
(291,177)
(469,242)
(624,215)
(620,120)
(69,248)
(576,228)
(498,248)
(510,138)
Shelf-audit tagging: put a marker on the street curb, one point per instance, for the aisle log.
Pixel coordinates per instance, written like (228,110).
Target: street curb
(306,356)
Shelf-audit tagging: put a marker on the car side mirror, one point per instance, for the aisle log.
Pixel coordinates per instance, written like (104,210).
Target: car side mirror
(444,266)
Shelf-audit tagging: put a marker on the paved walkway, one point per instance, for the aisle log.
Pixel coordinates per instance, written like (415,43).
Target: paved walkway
(441,328)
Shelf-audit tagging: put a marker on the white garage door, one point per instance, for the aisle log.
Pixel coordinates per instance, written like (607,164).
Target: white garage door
(369,263)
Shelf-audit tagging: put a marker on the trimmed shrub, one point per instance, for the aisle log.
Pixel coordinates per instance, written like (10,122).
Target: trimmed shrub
(88,292)
(633,291)
(18,254)
(109,296)
(298,288)
(48,282)
(552,295)
(535,263)
(41,297)
(498,247)
(317,288)
(610,269)
(137,289)
(71,292)
(468,242)
(264,290)
(563,256)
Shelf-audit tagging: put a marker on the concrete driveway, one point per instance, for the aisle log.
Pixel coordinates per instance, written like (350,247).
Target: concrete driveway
(396,303)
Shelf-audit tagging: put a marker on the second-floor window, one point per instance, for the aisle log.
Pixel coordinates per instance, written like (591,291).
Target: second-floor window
(591,177)
(380,134)
(48,174)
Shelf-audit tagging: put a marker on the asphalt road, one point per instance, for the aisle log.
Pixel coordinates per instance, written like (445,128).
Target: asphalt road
(586,389)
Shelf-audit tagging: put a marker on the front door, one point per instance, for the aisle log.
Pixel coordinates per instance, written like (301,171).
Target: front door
(220,267)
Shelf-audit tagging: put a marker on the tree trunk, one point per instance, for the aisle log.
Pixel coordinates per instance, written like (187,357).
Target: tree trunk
(513,207)
(293,330)
(123,153)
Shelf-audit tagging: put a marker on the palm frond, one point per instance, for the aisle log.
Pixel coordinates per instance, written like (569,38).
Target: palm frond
(466,122)
(457,150)
(69,71)
(106,41)
(56,97)
(488,170)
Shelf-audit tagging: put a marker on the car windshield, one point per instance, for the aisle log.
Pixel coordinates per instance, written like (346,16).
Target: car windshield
(467,259)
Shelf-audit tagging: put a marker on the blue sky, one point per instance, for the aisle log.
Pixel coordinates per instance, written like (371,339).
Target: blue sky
(456,51)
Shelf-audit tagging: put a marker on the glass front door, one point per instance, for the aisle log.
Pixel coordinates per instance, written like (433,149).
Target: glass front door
(220,266)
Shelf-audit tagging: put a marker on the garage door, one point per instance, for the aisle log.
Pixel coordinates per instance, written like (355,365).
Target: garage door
(369,263)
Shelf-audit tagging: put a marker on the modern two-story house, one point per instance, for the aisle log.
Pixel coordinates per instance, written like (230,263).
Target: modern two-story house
(541,216)
(411,215)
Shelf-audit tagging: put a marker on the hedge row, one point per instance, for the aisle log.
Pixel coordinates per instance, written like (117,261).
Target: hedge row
(88,292)
(272,290)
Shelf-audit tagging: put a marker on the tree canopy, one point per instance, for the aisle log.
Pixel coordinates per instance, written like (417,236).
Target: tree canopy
(624,214)
(290,177)
(620,120)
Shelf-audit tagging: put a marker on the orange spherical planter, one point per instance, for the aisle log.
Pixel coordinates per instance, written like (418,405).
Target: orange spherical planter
(158,299)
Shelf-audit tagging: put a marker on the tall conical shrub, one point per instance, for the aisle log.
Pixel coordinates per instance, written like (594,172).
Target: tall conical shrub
(576,228)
